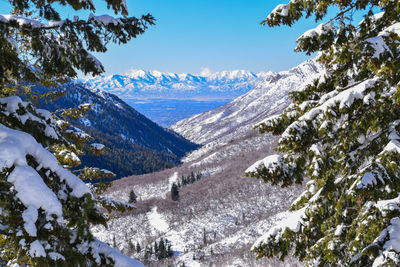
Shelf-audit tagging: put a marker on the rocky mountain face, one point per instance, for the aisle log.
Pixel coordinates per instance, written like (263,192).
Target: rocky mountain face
(220,215)
(139,84)
(136,144)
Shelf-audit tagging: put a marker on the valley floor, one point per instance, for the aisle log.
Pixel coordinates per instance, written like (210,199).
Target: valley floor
(220,213)
(217,218)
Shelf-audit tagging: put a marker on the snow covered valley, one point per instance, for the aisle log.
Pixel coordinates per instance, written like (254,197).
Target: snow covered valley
(221,213)
(215,222)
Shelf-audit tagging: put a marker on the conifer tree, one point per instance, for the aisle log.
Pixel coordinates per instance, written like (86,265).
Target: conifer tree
(147,254)
(341,136)
(204,237)
(192,178)
(47,211)
(114,242)
(132,197)
(170,252)
(131,245)
(174,192)
(162,254)
(156,249)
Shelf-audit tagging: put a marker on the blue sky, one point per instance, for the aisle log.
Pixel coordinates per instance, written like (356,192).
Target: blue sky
(191,34)
(215,34)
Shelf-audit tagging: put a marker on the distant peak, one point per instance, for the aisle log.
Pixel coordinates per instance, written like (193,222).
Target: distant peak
(206,73)
(232,74)
(156,73)
(135,74)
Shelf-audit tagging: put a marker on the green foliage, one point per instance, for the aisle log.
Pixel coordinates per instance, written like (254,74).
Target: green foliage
(342,135)
(38,47)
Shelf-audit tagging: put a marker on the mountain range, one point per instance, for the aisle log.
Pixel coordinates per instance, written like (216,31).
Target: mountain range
(167,98)
(139,84)
(269,96)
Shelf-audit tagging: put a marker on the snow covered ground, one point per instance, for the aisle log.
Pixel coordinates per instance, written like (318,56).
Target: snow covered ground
(157,222)
(219,217)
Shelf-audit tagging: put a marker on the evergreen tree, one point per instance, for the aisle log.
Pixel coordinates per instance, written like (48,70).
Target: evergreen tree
(132,197)
(162,254)
(156,249)
(114,244)
(47,211)
(59,46)
(204,237)
(170,252)
(131,245)
(147,254)
(341,134)
(192,178)
(174,192)
(138,248)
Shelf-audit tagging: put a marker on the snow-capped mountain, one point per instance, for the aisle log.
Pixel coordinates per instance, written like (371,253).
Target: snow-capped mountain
(269,97)
(218,217)
(139,84)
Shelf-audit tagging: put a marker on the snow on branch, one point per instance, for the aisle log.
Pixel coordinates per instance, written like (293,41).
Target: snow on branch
(344,99)
(272,162)
(285,221)
(15,146)
(321,29)
(105,20)
(100,248)
(378,43)
(13,106)
(276,169)
(389,242)
(281,10)
(23,21)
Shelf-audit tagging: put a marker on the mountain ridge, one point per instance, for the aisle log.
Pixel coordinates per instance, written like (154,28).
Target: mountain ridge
(139,84)
(246,110)
(139,144)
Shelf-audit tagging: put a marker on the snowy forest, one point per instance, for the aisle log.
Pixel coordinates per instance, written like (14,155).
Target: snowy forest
(299,169)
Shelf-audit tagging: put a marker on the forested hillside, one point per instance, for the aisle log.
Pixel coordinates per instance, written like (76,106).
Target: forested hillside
(135,145)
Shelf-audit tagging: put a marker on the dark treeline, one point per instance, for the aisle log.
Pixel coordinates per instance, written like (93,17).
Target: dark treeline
(189,179)
(160,250)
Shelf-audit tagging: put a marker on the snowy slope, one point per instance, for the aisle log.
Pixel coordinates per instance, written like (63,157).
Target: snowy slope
(270,96)
(139,84)
(219,217)
(231,210)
